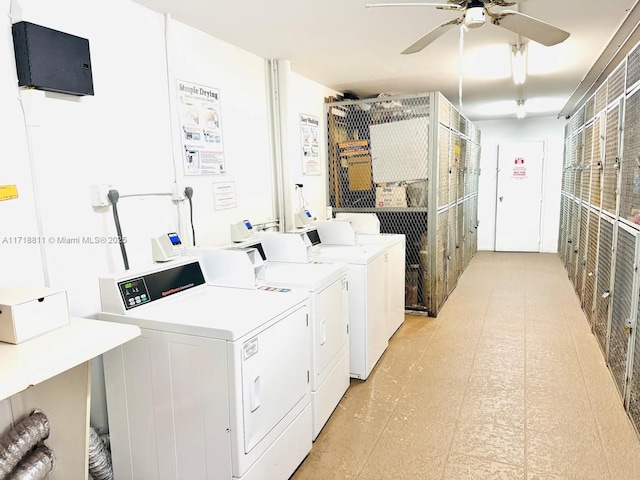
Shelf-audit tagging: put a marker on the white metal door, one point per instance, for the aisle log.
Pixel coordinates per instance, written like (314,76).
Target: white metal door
(275,369)
(331,317)
(519,196)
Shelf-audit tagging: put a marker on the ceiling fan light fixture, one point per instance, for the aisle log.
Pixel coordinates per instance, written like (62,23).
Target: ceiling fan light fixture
(518,64)
(474,17)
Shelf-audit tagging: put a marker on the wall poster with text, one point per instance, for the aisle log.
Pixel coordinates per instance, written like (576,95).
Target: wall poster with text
(310,145)
(200,129)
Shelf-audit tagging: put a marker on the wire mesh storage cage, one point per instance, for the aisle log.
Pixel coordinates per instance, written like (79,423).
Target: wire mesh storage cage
(600,221)
(414,161)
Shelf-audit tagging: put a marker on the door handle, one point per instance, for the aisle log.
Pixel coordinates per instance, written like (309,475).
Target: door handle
(501,198)
(255,394)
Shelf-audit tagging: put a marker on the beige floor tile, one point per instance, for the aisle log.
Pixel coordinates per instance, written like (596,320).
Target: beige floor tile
(470,468)
(574,452)
(338,449)
(490,441)
(507,382)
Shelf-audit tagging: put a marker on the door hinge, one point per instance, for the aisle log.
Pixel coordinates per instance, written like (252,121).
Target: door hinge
(308,378)
(347,329)
(307,319)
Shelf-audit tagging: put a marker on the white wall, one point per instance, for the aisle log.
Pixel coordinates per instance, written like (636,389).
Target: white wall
(127,135)
(547,129)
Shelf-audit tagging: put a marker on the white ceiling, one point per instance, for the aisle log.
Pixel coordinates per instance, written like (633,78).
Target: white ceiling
(350,48)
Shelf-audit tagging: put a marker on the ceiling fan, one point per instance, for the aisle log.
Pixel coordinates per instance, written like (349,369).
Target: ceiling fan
(475,13)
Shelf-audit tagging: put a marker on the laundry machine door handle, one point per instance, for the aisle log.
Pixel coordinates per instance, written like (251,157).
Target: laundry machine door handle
(255,394)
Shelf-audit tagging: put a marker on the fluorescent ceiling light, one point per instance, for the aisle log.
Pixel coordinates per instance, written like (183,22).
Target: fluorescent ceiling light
(518,64)
(521,109)
(487,63)
(545,104)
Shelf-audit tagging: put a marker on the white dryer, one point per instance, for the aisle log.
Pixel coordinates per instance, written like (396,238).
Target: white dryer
(397,248)
(368,332)
(327,284)
(216,387)
(367,227)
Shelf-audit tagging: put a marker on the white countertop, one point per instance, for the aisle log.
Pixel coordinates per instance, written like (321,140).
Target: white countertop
(52,353)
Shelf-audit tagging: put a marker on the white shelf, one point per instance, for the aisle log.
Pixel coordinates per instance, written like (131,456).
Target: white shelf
(48,355)
(52,373)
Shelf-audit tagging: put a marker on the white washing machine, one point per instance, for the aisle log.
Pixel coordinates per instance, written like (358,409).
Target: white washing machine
(367,227)
(396,244)
(368,333)
(327,284)
(217,385)
(249,266)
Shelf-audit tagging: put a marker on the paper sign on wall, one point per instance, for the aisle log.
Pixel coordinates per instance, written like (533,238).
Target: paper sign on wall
(310,145)
(224,195)
(8,192)
(200,129)
(519,168)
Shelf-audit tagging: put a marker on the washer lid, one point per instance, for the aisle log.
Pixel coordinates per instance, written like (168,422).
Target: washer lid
(311,276)
(216,312)
(351,254)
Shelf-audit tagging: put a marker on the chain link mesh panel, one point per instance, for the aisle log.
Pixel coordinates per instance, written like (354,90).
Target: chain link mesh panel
(452,251)
(572,166)
(444,149)
(621,307)
(633,67)
(590,108)
(579,164)
(582,252)
(587,163)
(603,282)
(634,382)
(562,230)
(609,120)
(575,242)
(454,161)
(610,171)
(441,259)
(592,256)
(615,84)
(596,165)
(630,167)
(409,158)
(601,98)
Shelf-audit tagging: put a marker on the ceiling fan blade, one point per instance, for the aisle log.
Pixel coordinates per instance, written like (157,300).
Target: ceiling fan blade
(431,36)
(443,6)
(501,3)
(530,27)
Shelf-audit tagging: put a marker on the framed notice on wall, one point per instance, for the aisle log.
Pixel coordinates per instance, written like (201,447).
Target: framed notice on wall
(200,129)
(310,145)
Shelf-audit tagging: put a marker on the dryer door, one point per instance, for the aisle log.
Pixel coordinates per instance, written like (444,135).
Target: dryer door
(330,320)
(275,368)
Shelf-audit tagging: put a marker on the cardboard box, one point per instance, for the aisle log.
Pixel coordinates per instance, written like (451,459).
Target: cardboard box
(359,173)
(391,196)
(27,312)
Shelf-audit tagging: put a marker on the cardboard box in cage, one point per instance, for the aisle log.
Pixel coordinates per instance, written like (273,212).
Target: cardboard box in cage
(391,196)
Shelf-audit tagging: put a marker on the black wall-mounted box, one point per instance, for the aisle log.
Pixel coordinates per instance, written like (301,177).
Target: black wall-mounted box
(51,60)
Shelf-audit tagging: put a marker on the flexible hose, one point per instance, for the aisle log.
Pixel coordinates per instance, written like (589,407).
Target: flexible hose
(188,192)
(37,466)
(20,440)
(99,461)
(113,197)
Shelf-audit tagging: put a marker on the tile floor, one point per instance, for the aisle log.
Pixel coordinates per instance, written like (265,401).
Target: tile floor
(506,383)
